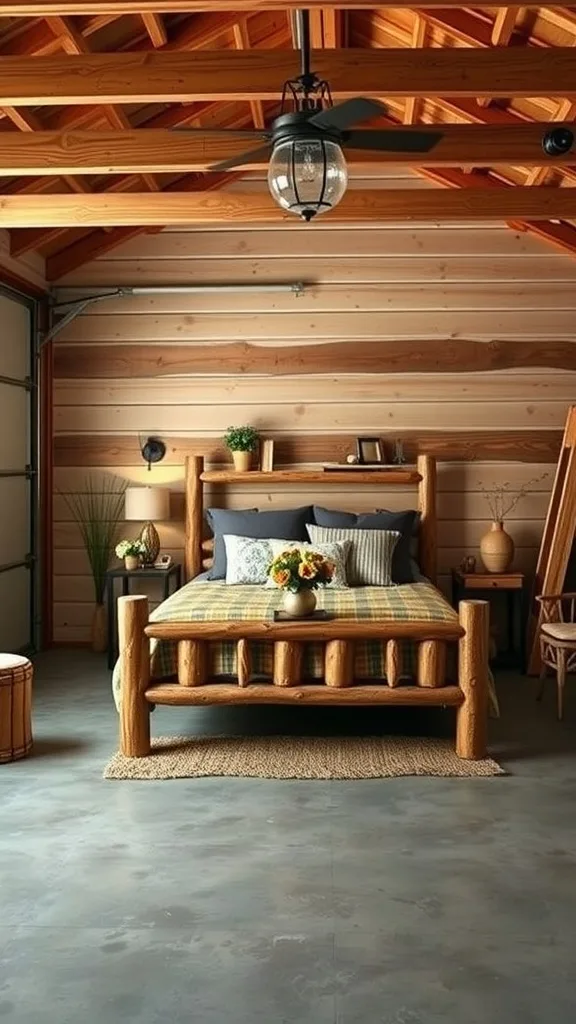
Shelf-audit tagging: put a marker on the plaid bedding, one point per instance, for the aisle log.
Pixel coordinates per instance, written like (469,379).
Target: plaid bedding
(202,602)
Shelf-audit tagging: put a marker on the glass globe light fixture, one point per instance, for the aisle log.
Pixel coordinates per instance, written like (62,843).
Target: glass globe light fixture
(307,176)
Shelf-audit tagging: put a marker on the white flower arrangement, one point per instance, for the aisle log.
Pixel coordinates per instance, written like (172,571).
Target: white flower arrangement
(130,547)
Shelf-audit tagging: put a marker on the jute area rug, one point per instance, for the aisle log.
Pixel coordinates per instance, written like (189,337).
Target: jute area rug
(297,757)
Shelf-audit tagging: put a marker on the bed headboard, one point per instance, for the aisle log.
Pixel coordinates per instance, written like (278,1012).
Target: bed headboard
(198,550)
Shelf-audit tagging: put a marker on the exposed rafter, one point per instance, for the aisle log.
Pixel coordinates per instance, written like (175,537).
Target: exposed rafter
(418,41)
(154,209)
(114,8)
(242,41)
(163,151)
(155,28)
(258,74)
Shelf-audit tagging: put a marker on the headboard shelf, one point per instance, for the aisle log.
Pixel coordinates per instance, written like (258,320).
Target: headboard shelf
(423,476)
(313,476)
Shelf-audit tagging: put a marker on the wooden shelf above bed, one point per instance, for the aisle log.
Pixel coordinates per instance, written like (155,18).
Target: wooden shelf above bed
(313,476)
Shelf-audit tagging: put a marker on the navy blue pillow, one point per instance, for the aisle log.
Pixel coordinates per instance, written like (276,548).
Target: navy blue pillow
(404,522)
(283,523)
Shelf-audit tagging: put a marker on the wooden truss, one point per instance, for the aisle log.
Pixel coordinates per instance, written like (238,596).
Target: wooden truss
(64,133)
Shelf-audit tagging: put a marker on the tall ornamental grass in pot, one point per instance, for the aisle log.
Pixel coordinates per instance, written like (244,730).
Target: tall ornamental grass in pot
(98,510)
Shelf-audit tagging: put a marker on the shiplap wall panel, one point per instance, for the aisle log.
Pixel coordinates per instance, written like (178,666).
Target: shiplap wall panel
(318,418)
(336,269)
(247,391)
(401,281)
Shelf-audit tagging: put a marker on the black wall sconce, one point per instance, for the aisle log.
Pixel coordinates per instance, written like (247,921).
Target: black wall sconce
(153,450)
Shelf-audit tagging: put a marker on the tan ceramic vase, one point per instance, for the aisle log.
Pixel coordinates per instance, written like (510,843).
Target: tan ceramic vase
(497,549)
(99,629)
(242,461)
(299,604)
(131,562)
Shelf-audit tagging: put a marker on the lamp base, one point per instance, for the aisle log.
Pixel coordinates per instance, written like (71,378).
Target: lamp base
(151,541)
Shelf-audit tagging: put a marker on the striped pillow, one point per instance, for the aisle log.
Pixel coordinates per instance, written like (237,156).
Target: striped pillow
(370,559)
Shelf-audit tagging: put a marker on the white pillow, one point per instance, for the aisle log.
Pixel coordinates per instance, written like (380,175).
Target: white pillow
(336,551)
(370,558)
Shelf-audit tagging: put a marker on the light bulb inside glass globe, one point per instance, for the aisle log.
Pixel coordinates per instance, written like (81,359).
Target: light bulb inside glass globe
(307,176)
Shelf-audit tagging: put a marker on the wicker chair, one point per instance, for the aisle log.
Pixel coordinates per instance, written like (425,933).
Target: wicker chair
(558,641)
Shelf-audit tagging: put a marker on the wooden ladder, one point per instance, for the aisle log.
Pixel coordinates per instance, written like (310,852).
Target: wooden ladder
(558,536)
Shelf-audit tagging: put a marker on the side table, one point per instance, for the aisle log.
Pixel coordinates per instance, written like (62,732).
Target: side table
(145,573)
(514,584)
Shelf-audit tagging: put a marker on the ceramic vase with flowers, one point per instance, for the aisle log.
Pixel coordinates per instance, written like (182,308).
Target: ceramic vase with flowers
(242,442)
(131,551)
(298,573)
(497,546)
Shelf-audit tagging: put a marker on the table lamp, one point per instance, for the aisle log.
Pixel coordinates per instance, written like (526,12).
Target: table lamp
(147,503)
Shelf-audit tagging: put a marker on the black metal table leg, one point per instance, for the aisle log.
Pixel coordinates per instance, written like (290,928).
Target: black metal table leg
(111,631)
(511,630)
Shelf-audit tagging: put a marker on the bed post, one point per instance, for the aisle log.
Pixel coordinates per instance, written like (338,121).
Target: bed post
(427,548)
(194,514)
(134,675)
(472,715)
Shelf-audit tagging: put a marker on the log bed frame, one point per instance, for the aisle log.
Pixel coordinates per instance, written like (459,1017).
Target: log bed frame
(469,695)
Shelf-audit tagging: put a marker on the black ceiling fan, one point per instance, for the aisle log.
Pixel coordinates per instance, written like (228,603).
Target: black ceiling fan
(307,173)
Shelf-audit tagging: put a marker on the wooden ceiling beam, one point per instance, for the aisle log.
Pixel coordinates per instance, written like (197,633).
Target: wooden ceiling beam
(28,123)
(157,151)
(175,209)
(115,8)
(258,74)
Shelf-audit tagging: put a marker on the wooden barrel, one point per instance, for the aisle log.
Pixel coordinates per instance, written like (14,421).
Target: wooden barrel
(15,707)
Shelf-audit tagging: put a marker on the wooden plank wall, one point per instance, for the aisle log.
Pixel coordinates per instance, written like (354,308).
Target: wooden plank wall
(439,286)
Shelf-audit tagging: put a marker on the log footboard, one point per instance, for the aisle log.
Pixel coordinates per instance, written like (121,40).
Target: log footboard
(469,695)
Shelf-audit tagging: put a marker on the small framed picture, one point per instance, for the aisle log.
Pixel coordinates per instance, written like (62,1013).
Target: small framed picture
(369,450)
(267,456)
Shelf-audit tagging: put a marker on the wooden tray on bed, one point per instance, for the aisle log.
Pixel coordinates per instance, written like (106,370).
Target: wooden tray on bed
(320,615)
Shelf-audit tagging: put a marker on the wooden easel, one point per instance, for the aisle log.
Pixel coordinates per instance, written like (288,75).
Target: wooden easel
(558,535)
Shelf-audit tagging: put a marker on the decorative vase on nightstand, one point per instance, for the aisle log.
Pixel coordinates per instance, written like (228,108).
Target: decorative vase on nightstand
(497,549)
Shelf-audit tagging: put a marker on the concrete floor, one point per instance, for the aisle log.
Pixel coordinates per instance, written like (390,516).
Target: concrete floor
(400,901)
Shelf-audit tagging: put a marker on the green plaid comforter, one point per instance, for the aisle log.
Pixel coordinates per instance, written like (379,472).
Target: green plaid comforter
(201,602)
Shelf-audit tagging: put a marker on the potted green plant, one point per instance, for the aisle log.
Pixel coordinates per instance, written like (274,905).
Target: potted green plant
(98,511)
(130,551)
(241,441)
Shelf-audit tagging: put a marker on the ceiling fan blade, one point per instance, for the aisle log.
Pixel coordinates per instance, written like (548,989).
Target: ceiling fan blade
(246,134)
(243,158)
(348,113)
(390,140)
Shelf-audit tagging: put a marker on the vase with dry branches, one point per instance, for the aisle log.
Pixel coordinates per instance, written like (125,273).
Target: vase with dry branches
(497,546)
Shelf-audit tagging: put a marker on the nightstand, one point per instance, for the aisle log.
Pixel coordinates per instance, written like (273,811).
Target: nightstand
(174,573)
(465,584)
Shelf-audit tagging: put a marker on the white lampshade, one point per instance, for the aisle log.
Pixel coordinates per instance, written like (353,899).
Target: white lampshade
(147,504)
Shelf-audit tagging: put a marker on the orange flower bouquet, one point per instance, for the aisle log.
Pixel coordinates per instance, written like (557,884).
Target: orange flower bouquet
(299,569)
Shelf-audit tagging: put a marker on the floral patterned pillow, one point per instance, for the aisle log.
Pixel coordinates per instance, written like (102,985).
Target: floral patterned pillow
(247,559)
